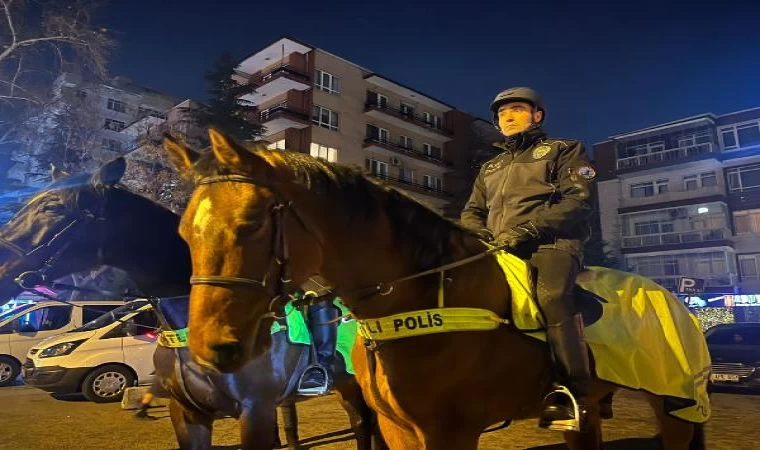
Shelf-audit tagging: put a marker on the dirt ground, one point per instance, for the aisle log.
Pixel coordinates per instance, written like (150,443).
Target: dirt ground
(34,420)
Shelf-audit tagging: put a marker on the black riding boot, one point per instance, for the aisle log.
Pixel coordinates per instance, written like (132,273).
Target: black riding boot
(571,353)
(318,378)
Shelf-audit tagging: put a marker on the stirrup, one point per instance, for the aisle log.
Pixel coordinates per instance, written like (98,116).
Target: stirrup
(573,424)
(318,390)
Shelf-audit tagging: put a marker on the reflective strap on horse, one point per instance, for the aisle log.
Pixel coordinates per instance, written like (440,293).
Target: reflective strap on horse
(429,321)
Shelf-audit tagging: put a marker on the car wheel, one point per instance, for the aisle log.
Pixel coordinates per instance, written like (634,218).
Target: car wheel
(9,370)
(106,384)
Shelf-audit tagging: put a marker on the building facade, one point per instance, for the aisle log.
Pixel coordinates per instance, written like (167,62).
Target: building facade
(96,114)
(314,102)
(682,199)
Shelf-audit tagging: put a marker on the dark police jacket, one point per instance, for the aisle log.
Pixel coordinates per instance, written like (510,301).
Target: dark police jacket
(543,183)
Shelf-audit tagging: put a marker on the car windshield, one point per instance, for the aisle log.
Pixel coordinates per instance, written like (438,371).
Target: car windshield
(112,316)
(14,311)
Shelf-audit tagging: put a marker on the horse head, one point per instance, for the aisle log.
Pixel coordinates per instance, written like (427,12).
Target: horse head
(56,232)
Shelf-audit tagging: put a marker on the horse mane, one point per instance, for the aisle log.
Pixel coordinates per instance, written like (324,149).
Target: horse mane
(421,232)
(70,188)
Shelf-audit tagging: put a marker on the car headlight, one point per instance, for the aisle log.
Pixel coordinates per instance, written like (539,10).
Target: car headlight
(61,349)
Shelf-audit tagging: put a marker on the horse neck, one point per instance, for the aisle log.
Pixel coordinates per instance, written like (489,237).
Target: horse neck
(372,257)
(141,238)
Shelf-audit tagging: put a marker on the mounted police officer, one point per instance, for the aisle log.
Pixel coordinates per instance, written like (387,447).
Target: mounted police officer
(535,197)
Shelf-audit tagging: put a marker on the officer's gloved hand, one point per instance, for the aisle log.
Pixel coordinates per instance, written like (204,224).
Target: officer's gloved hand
(485,235)
(519,235)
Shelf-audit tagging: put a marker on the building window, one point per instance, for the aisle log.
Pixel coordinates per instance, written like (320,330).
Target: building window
(648,189)
(431,182)
(327,82)
(691,183)
(749,266)
(703,180)
(714,266)
(116,105)
(708,179)
(652,227)
(113,125)
(406,175)
(432,152)
(738,136)
(323,152)
(111,145)
(407,110)
(745,178)
(325,118)
(279,145)
(748,221)
(406,142)
(376,167)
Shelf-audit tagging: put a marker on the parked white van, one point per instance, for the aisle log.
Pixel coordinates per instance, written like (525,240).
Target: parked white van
(99,359)
(26,325)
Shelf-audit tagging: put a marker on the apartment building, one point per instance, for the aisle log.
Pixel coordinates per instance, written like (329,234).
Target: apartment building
(315,102)
(101,112)
(682,199)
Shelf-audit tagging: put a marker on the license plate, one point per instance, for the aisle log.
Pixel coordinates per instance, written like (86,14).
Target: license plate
(724,377)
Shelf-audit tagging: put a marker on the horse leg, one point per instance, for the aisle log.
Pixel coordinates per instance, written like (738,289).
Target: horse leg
(676,434)
(360,415)
(396,436)
(290,423)
(450,438)
(256,425)
(193,429)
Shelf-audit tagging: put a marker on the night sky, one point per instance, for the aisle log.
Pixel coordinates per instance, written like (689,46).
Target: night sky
(601,69)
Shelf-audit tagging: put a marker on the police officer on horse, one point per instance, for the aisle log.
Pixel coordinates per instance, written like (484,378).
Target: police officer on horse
(535,198)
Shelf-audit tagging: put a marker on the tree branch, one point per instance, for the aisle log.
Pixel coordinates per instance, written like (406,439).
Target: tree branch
(7,8)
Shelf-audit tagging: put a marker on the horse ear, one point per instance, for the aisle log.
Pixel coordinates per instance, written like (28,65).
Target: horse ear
(110,173)
(232,154)
(57,173)
(180,155)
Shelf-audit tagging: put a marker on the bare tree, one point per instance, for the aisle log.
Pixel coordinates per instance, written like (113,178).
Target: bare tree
(39,40)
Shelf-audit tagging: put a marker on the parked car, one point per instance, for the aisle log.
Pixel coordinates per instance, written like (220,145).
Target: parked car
(735,354)
(100,359)
(28,324)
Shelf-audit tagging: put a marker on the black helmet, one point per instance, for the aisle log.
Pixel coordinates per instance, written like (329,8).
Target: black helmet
(516,94)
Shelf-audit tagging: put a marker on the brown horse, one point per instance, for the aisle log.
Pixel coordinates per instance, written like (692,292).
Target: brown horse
(438,391)
(82,221)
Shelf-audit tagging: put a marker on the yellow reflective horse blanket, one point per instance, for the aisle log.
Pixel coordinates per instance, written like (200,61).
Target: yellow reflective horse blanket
(643,338)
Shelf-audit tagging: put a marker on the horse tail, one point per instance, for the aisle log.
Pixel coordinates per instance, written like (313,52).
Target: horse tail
(698,441)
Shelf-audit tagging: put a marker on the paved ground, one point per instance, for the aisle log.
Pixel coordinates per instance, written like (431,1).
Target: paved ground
(32,420)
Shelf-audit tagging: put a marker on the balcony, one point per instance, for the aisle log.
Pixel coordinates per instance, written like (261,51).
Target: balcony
(282,116)
(678,194)
(663,157)
(275,82)
(714,283)
(412,186)
(390,148)
(676,238)
(407,120)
